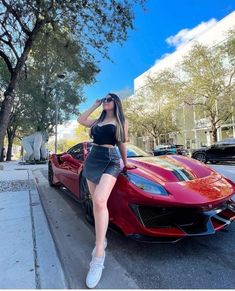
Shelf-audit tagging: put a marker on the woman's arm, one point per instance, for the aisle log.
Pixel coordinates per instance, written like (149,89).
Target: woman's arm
(82,119)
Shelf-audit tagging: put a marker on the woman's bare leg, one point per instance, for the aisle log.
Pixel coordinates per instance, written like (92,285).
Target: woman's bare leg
(101,214)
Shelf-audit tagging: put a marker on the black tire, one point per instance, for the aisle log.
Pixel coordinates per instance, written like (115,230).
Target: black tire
(51,176)
(86,201)
(201,157)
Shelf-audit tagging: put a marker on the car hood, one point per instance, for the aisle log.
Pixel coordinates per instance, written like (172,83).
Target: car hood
(171,168)
(187,180)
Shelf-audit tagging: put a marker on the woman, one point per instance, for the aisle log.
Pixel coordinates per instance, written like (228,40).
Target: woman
(101,168)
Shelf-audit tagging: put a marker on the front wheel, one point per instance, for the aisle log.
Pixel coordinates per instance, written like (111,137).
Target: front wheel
(201,157)
(86,201)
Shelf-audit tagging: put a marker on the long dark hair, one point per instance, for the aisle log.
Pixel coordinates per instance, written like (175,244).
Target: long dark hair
(118,113)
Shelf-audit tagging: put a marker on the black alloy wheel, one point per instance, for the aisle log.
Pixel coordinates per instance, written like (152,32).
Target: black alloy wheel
(201,157)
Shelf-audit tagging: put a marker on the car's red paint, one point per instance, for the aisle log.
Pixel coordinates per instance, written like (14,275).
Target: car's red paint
(193,187)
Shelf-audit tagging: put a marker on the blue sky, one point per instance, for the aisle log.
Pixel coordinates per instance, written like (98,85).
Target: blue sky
(147,42)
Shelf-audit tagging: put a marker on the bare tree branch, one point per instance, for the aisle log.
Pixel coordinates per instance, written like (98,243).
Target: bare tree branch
(15,14)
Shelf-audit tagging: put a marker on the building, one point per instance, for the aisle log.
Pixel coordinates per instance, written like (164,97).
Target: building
(195,131)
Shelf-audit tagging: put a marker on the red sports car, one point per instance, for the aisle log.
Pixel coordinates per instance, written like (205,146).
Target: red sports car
(163,199)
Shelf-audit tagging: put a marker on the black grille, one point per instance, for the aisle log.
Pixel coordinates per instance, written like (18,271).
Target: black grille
(193,221)
(190,220)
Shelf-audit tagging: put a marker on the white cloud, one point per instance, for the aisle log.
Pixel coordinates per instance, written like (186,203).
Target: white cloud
(185,35)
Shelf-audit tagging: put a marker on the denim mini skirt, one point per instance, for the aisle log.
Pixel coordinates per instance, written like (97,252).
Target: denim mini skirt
(101,160)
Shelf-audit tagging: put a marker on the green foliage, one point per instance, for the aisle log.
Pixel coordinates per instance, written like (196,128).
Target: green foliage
(208,81)
(151,110)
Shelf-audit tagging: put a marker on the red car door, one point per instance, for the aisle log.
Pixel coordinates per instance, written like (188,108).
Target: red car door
(74,161)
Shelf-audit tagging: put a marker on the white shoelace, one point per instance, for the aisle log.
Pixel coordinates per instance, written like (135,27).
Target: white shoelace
(96,266)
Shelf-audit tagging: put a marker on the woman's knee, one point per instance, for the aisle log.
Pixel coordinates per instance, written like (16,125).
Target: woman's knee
(99,203)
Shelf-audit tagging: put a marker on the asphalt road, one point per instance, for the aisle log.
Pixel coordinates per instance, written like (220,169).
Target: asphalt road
(202,262)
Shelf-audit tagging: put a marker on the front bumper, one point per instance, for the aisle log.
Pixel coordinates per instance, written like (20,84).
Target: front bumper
(169,224)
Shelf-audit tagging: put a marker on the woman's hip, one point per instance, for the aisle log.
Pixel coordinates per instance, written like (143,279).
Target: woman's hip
(100,159)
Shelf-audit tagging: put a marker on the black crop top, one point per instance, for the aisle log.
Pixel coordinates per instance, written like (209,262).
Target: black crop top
(104,134)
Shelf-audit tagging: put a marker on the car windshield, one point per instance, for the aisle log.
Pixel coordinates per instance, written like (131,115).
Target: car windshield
(133,151)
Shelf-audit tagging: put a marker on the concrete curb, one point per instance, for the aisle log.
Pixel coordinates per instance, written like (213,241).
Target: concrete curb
(51,274)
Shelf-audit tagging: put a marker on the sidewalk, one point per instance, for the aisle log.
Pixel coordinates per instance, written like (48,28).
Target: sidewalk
(28,254)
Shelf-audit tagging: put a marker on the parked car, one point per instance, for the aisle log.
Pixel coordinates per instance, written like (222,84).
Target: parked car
(181,150)
(169,149)
(223,150)
(164,149)
(163,199)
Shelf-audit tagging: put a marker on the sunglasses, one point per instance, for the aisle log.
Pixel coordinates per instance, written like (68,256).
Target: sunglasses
(109,99)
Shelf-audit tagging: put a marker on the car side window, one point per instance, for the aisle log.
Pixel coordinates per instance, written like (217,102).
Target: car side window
(72,150)
(225,142)
(231,142)
(218,144)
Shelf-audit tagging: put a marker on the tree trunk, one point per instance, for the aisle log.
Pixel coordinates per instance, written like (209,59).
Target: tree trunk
(5,111)
(10,138)
(9,149)
(214,133)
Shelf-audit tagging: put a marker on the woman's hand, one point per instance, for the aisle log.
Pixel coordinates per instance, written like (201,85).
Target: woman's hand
(98,102)
(129,166)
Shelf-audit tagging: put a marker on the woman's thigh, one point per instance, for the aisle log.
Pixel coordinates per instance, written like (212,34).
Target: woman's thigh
(104,188)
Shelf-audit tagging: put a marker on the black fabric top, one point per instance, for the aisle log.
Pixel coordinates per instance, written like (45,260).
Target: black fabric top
(104,134)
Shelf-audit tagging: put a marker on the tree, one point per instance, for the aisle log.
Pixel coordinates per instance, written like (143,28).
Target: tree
(151,109)
(35,107)
(207,81)
(93,24)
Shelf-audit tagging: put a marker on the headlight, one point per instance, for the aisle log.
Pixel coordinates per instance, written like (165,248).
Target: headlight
(147,185)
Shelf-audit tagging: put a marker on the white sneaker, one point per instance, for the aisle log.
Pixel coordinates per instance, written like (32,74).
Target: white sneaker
(105,245)
(95,271)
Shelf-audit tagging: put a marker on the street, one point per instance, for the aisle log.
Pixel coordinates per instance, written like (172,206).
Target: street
(202,262)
